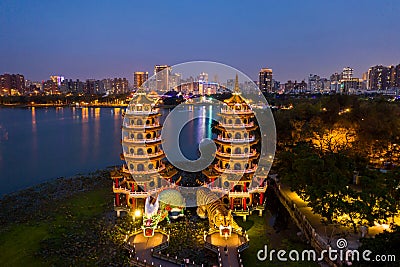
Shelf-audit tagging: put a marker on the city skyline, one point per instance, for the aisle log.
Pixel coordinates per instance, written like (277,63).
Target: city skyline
(109,40)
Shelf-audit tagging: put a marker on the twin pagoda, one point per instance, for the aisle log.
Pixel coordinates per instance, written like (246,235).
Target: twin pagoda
(146,171)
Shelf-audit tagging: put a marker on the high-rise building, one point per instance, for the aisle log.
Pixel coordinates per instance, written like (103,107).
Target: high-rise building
(93,86)
(294,87)
(12,84)
(347,73)
(139,77)
(395,76)
(265,80)
(174,81)
(348,83)
(203,77)
(230,83)
(50,87)
(57,79)
(314,83)
(162,73)
(107,83)
(379,77)
(119,86)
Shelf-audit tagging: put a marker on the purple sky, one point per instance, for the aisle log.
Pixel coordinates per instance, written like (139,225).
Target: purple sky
(98,39)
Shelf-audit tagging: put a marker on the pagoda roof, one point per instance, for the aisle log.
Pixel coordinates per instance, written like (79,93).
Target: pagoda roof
(236,97)
(141,97)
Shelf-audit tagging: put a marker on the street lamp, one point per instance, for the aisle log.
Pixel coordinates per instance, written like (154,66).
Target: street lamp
(138,213)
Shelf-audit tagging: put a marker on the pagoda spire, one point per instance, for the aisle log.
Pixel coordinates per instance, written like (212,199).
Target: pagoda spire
(236,90)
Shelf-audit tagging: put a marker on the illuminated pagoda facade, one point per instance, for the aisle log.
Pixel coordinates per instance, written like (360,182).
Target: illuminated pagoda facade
(145,170)
(236,157)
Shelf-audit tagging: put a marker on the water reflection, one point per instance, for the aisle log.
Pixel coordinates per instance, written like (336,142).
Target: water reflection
(34,130)
(85,114)
(33,115)
(194,131)
(56,142)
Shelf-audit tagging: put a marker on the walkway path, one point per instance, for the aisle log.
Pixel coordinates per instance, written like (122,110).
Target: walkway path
(143,246)
(232,242)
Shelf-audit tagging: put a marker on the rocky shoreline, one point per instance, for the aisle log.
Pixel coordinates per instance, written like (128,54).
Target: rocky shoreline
(72,219)
(35,203)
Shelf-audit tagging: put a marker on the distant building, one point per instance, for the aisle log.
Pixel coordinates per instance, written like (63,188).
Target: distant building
(187,86)
(203,77)
(107,83)
(348,83)
(35,86)
(139,77)
(119,86)
(12,84)
(291,87)
(265,80)
(379,78)
(93,86)
(347,73)
(314,83)
(395,77)
(230,84)
(174,80)
(162,73)
(325,85)
(350,86)
(57,79)
(72,86)
(275,85)
(50,87)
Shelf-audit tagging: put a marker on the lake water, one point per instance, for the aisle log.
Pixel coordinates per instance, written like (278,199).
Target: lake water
(38,144)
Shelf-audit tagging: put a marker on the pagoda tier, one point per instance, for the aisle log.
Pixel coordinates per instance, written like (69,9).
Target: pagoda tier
(145,170)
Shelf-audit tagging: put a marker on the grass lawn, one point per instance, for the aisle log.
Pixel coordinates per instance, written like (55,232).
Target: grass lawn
(20,242)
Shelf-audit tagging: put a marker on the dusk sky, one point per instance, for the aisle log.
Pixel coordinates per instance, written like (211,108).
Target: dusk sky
(99,39)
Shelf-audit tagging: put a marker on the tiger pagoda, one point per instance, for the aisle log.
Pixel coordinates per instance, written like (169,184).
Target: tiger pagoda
(236,157)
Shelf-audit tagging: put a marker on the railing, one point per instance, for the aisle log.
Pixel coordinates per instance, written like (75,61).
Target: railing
(141,141)
(217,189)
(160,247)
(233,111)
(138,194)
(316,241)
(137,262)
(229,125)
(162,167)
(120,189)
(239,194)
(252,169)
(233,155)
(258,189)
(142,112)
(147,155)
(211,247)
(243,246)
(142,126)
(233,140)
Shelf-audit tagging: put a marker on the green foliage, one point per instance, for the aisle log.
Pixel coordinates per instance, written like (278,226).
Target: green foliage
(325,181)
(323,176)
(386,243)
